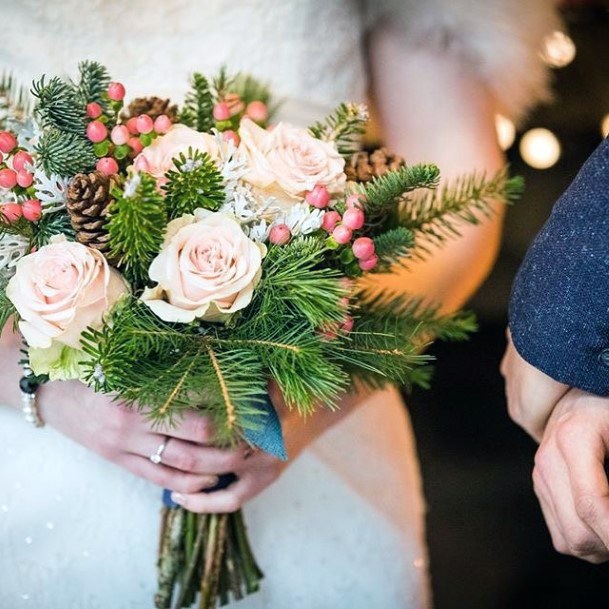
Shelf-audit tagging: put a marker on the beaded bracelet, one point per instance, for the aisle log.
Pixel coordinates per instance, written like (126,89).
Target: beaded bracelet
(29,405)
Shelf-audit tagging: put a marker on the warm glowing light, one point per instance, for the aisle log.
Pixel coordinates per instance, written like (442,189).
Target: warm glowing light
(605,126)
(506,131)
(558,50)
(540,148)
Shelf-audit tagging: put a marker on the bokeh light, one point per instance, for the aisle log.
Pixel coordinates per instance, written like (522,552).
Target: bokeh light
(559,50)
(540,148)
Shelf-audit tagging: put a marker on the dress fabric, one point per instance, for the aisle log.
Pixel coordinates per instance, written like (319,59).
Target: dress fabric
(343,527)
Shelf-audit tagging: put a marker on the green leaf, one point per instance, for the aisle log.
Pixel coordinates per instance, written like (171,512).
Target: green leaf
(344,127)
(197,111)
(393,247)
(59,362)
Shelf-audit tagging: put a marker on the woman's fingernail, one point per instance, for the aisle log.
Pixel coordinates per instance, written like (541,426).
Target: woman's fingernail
(213,480)
(178,498)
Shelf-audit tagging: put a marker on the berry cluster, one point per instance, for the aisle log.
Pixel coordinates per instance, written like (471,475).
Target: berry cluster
(229,111)
(121,141)
(17,174)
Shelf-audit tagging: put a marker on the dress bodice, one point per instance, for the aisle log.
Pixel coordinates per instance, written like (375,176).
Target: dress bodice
(309,51)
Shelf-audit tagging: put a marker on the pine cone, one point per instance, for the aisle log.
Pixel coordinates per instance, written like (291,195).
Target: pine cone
(88,201)
(153,107)
(364,166)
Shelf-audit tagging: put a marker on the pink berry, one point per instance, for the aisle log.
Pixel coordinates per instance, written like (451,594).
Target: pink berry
(135,144)
(356,201)
(347,325)
(94,110)
(363,248)
(369,263)
(11,212)
(97,131)
(32,210)
(318,197)
(162,124)
(233,101)
(354,218)
(280,234)
(21,159)
(141,164)
(116,91)
(221,111)
(25,178)
(8,178)
(107,165)
(231,136)
(7,141)
(330,220)
(119,135)
(342,234)
(257,111)
(131,124)
(144,123)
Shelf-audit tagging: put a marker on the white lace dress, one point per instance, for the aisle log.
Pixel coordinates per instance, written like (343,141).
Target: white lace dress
(344,526)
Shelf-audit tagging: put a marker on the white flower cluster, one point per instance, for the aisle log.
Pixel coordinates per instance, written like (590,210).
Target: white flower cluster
(12,249)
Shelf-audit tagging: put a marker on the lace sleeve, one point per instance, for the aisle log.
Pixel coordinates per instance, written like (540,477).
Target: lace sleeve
(499,39)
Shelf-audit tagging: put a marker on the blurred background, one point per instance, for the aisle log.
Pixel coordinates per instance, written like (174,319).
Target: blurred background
(489,548)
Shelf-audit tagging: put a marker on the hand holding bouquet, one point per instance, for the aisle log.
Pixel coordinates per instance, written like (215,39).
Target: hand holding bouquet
(185,258)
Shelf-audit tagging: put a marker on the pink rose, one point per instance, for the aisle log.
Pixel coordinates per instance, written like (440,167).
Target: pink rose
(207,267)
(62,289)
(287,161)
(157,158)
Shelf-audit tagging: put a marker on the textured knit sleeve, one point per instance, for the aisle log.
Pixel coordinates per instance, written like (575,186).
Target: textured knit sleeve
(500,39)
(559,309)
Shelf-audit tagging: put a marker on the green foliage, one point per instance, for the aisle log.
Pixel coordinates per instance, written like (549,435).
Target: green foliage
(344,126)
(59,105)
(7,309)
(251,89)
(93,83)
(57,223)
(64,153)
(392,247)
(21,227)
(14,101)
(222,84)
(383,193)
(198,104)
(136,228)
(437,215)
(193,183)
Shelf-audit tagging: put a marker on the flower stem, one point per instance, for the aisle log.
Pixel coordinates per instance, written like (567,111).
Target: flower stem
(171,557)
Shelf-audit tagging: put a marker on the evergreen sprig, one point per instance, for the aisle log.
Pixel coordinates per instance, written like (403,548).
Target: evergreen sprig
(21,227)
(93,83)
(344,127)
(59,105)
(136,227)
(51,224)
(14,100)
(393,247)
(197,111)
(222,84)
(384,192)
(437,215)
(194,182)
(64,153)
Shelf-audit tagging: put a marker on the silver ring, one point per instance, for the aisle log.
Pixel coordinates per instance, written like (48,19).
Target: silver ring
(157,457)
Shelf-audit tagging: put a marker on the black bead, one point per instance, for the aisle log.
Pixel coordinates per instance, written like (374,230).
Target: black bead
(28,384)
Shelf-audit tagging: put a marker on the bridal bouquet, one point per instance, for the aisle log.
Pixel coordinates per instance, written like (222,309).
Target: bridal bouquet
(183,258)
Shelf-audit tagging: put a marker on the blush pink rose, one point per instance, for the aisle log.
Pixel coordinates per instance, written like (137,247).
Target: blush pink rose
(157,158)
(286,162)
(207,268)
(62,289)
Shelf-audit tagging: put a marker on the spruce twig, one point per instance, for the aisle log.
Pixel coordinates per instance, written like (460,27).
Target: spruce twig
(344,127)
(197,111)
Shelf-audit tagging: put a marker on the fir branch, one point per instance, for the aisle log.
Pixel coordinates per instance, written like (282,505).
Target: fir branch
(251,89)
(344,127)
(384,192)
(221,84)
(51,224)
(437,215)
(59,105)
(21,227)
(14,100)
(194,183)
(393,247)
(197,111)
(65,154)
(93,83)
(136,228)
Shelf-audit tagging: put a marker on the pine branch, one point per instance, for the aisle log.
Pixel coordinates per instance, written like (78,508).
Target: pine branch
(197,111)
(194,183)
(21,227)
(344,127)
(392,247)
(51,224)
(437,215)
(136,227)
(251,89)
(93,83)
(64,153)
(383,193)
(59,105)
(221,84)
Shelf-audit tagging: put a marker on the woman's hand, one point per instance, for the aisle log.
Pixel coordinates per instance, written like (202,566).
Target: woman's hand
(123,436)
